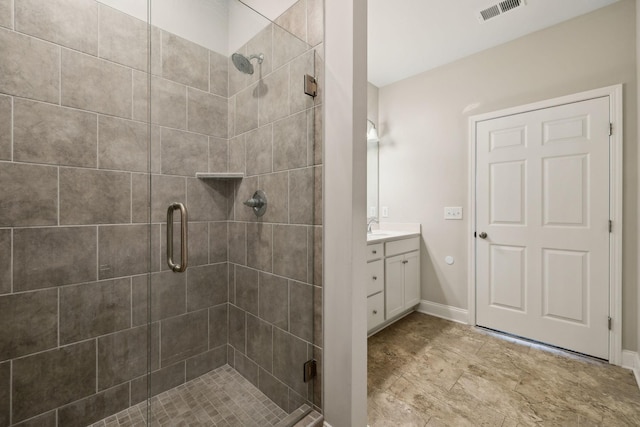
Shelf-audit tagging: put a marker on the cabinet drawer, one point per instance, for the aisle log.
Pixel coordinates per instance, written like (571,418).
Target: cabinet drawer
(375,307)
(402,246)
(375,251)
(375,279)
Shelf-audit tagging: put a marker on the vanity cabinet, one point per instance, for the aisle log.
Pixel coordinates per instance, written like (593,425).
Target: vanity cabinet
(393,286)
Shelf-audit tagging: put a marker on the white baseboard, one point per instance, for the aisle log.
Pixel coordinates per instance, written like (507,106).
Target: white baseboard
(631,360)
(447,312)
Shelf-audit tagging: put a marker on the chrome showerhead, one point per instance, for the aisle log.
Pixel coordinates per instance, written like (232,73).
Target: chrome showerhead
(243,64)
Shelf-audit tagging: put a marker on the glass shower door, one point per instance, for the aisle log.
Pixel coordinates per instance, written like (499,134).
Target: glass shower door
(229,337)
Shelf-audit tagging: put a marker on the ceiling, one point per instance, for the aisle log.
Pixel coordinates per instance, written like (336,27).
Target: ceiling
(407,37)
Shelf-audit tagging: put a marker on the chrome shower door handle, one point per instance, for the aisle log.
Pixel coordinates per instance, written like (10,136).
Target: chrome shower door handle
(178,268)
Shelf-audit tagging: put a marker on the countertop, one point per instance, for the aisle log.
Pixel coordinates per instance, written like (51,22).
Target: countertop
(379,236)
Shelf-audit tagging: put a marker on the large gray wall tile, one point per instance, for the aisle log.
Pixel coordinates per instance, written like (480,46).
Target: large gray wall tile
(218,325)
(45,133)
(6,13)
(71,23)
(301,196)
(94,309)
(167,295)
(166,378)
(315,22)
(123,38)
(207,286)
(237,154)
(30,323)
(5,127)
(47,380)
(276,187)
(317,256)
(140,196)
(286,46)
(123,144)
(294,20)
(260,150)
(219,74)
(97,85)
(289,351)
(95,408)
(207,199)
(30,67)
(261,43)
(185,62)
(29,195)
(184,336)
(166,190)
(198,239)
(207,113)
(244,190)
(301,310)
(49,419)
(218,154)
(183,153)
(237,328)
(205,362)
(218,232)
(246,109)
(260,249)
(274,96)
(122,356)
(140,96)
(5,261)
(290,142)
(260,342)
(246,367)
(168,103)
(123,250)
(274,300)
(275,389)
(238,243)
(89,196)
(45,257)
(5,393)
(246,289)
(290,245)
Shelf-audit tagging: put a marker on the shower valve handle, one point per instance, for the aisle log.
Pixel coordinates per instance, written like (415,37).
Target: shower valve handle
(254,203)
(258,203)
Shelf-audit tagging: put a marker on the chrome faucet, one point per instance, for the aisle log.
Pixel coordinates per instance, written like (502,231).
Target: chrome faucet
(371,220)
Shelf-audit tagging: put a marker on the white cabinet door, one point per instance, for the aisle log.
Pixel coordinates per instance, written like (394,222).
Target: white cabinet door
(543,202)
(411,279)
(394,285)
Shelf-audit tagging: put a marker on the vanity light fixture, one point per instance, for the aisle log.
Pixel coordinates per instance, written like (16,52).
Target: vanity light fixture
(372,132)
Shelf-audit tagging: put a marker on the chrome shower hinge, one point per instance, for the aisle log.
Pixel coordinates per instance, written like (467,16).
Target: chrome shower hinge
(310,85)
(310,370)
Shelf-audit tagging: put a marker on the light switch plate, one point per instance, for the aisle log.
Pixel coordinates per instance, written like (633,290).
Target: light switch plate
(385,212)
(453,213)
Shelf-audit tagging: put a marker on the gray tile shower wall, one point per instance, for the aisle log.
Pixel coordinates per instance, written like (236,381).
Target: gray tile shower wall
(275,261)
(83,203)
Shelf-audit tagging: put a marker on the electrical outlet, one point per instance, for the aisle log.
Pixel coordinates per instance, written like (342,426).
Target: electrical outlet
(453,213)
(385,212)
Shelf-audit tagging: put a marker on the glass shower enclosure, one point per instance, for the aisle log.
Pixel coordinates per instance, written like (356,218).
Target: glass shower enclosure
(139,285)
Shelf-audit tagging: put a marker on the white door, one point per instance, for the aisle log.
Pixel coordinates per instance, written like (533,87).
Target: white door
(542,271)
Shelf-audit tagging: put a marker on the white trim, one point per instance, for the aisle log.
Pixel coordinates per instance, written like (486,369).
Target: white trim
(631,360)
(447,312)
(615,190)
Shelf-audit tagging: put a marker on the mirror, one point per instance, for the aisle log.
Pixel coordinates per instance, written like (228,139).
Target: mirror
(372,152)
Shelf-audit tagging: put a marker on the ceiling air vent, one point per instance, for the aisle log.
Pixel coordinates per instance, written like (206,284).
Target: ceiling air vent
(498,9)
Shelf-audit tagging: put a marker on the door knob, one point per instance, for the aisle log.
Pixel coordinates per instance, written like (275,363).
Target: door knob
(482,235)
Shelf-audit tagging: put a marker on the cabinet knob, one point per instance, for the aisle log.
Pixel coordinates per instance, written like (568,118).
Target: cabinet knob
(405,261)
(375,311)
(375,277)
(374,251)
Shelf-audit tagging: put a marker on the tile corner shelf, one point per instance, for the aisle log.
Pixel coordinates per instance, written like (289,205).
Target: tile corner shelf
(222,175)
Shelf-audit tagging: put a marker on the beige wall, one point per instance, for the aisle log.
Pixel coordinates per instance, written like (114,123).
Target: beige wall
(424,130)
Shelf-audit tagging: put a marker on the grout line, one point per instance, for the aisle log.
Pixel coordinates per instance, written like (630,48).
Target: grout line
(11,269)
(10,392)
(58,315)
(58,196)
(11,132)
(60,75)
(97,373)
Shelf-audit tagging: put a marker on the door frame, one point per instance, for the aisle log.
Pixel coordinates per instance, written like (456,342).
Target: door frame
(615,202)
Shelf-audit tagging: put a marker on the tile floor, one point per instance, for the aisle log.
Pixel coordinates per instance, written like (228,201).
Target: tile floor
(425,371)
(219,398)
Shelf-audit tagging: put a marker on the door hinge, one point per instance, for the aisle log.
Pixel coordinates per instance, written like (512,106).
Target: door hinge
(610,129)
(610,322)
(310,370)
(310,85)
(610,226)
